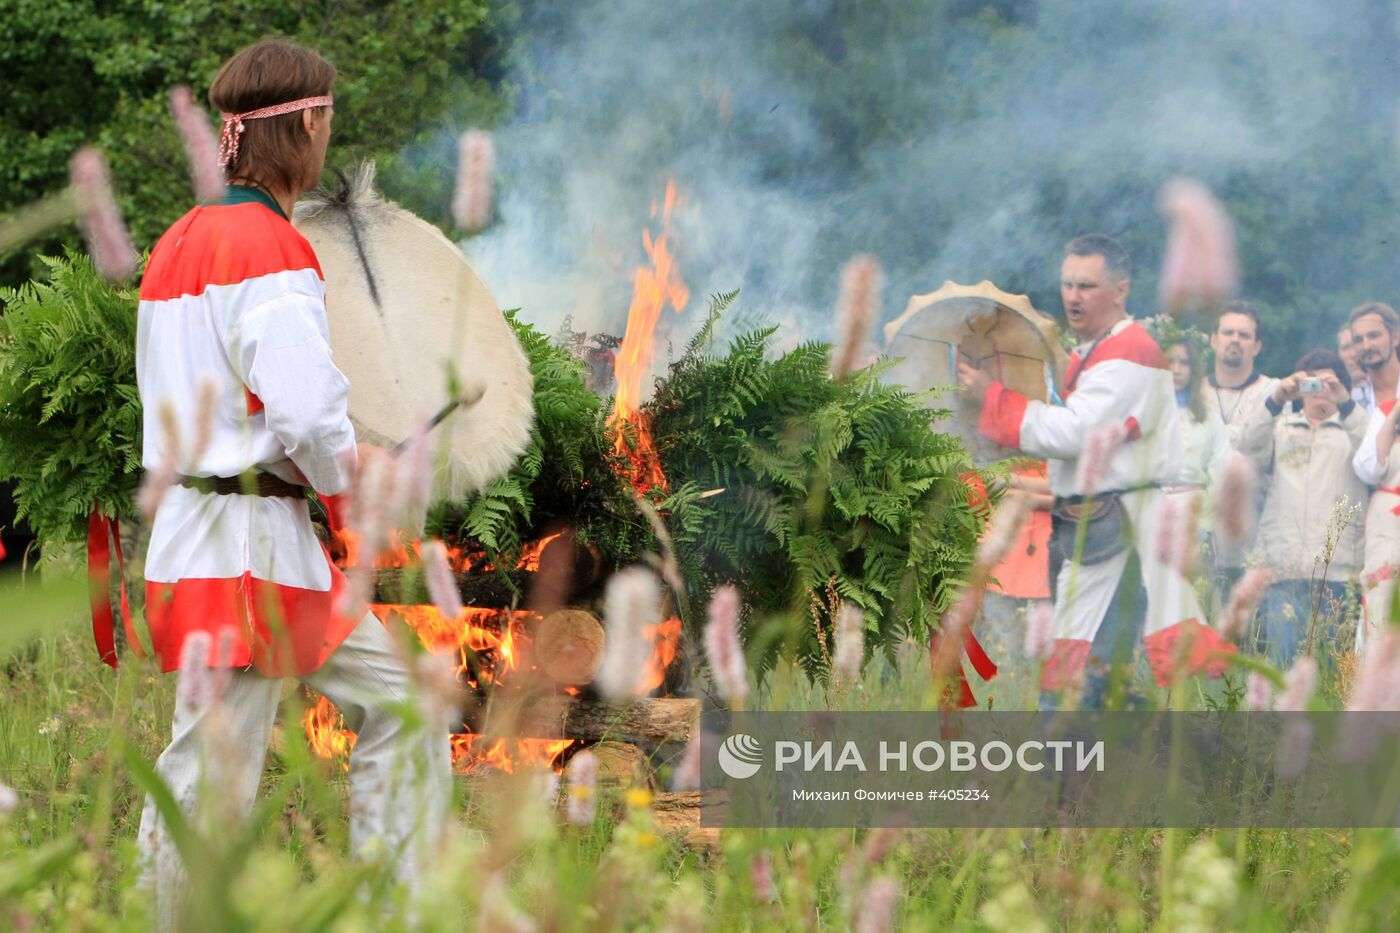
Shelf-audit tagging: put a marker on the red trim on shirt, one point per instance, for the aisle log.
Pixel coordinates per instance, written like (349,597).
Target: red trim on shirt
(1133,344)
(283,630)
(223,245)
(1003,410)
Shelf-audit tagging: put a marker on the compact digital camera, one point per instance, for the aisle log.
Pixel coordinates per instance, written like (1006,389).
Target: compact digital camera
(1309,385)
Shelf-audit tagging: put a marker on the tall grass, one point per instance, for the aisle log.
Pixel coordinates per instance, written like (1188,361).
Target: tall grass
(75,740)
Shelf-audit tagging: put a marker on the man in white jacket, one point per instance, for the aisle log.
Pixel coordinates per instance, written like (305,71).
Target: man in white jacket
(1109,447)
(1376,465)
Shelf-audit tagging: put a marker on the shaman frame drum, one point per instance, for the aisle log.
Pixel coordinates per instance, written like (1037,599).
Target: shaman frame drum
(1000,332)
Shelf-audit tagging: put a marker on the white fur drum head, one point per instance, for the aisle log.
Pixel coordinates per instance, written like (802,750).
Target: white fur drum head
(408,317)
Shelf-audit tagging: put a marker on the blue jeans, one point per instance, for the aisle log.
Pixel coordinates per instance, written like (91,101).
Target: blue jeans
(1287,611)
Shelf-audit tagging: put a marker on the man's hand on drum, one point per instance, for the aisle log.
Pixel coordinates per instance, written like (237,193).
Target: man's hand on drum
(973,381)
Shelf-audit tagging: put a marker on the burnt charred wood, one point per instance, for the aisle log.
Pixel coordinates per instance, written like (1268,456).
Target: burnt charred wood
(490,590)
(566,569)
(651,719)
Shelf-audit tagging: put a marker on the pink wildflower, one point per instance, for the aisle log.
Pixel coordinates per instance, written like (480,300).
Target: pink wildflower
(1295,741)
(1040,631)
(1102,444)
(952,629)
(1201,268)
(761,873)
(154,485)
(583,779)
(1376,690)
(1377,686)
(192,686)
(1258,692)
(1243,598)
(416,464)
(1006,523)
(1234,517)
(850,644)
(880,843)
(1298,685)
(201,148)
(632,600)
(857,308)
(107,239)
(442,585)
(204,417)
(1294,744)
(723,648)
(687,774)
(9,799)
(875,912)
(1176,533)
(471,202)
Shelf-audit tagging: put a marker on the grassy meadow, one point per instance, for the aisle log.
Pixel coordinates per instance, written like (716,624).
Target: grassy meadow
(76,740)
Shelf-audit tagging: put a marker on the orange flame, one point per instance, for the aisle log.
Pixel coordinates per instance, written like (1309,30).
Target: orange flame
(653,287)
(471,752)
(665,643)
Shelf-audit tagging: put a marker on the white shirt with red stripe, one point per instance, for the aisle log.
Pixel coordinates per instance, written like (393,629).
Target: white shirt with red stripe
(233,299)
(1122,379)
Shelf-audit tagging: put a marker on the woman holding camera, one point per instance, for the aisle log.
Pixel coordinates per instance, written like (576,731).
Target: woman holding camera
(1306,433)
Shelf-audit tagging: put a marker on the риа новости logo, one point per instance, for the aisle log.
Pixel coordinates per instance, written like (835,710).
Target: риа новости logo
(740,756)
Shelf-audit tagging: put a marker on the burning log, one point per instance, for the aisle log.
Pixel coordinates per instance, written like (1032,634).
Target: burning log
(652,719)
(493,590)
(563,568)
(568,646)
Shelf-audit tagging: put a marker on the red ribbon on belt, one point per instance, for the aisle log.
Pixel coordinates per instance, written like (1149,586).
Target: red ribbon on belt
(101,531)
(981,664)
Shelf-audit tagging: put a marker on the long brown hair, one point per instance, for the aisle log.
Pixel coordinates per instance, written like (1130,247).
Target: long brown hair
(273,150)
(1195,395)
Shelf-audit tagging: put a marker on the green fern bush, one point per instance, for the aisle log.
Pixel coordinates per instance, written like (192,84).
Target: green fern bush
(565,476)
(829,487)
(70,416)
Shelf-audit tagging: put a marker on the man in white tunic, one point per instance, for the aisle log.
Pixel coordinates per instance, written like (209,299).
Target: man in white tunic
(1118,383)
(243,402)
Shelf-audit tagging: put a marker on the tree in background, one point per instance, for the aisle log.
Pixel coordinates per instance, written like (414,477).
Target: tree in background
(78,74)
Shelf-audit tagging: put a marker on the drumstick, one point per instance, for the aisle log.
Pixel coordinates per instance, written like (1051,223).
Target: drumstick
(466,399)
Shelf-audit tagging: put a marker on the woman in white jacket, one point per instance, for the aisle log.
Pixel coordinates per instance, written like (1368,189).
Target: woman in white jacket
(1309,445)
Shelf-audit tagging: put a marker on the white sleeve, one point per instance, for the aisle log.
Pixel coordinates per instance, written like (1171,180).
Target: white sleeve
(282,351)
(1364,461)
(1109,393)
(1256,432)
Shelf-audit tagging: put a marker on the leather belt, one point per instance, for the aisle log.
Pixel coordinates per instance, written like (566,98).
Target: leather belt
(257,484)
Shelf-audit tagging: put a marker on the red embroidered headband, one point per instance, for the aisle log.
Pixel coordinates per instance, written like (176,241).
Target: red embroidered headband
(233,123)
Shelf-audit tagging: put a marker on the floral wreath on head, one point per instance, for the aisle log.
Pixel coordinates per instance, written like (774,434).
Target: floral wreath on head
(1167,330)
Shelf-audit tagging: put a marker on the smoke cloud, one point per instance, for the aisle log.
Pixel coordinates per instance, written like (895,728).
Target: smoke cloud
(954,140)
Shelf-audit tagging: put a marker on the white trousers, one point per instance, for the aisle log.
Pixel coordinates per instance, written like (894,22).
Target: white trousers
(400,772)
(1083,593)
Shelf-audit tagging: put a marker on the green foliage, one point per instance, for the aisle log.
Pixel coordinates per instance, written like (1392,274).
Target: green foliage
(70,415)
(826,483)
(565,476)
(410,77)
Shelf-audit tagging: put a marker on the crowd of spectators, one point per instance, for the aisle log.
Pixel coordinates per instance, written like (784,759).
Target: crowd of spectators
(1323,519)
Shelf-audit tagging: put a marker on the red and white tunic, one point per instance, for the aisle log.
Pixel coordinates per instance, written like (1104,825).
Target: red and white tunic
(233,299)
(1122,379)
